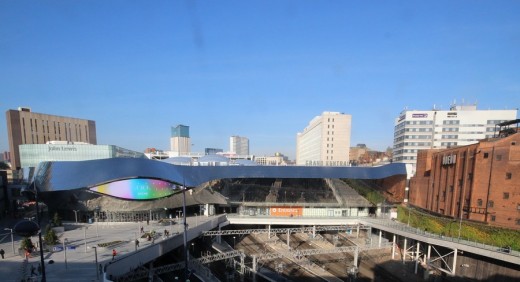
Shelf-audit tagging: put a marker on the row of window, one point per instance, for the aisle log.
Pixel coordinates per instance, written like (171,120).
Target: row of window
(420,122)
(417,137)
(423,144)
(449,136)
(494,218)
(403,158)
(448,144)
(70,128)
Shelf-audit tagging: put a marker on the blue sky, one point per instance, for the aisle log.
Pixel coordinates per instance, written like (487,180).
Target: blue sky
(260,69)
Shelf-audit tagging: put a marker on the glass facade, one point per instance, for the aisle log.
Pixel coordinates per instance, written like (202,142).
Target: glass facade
(32,154)
(181,131)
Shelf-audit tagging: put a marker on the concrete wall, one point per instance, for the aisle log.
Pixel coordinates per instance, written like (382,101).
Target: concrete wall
(143,256)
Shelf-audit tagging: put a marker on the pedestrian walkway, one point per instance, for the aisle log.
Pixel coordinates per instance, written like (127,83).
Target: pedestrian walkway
(77,262)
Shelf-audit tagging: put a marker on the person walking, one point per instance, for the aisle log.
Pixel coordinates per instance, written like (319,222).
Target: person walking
(136,242)
(2,253)
(114,253)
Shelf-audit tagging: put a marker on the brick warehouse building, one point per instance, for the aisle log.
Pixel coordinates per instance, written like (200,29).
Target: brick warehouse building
(486,175)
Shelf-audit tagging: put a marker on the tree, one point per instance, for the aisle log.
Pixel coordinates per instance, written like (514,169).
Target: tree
(56,220)
(27,244)
(50,237)
(4,166)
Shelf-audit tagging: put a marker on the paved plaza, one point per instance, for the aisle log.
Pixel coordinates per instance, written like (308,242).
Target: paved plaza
(77,263)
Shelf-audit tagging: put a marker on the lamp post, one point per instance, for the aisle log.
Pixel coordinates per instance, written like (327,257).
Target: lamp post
(42,261)
(65,252)
(234,242)
(97,227)
(96,268)
(85,237)
(12,240)
(76,215)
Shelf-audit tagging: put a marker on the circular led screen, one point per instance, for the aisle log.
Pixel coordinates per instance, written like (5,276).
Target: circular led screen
(137,189)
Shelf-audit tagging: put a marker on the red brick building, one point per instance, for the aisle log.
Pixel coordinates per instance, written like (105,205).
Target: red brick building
(485,177)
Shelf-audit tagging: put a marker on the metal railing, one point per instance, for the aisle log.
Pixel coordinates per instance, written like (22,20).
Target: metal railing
(404,227)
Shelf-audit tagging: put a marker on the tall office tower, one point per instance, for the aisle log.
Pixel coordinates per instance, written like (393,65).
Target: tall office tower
(239,145)
(325,141)
(438,129)
(27,127)
(180,141)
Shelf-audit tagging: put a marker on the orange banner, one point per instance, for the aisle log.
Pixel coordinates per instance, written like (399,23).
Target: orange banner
(286,211)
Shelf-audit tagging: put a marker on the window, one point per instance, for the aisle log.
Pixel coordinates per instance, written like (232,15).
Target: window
(506,195)
(491,204)
(486,155)
(493,218)
(479,202)
(509,175)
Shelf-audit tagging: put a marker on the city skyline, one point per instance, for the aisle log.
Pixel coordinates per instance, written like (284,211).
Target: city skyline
(257,69)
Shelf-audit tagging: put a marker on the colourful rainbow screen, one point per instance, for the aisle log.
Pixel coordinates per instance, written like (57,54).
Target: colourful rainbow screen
(137,189)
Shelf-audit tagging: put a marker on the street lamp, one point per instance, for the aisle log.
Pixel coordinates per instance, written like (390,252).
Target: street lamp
(12,240)
(96,268)
(34,229)
(76,214)
(85,237)
(234,242)
(65,251)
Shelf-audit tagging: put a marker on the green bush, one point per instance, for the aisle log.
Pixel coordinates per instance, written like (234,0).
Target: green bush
(109,244)
(373,196)
(472,231)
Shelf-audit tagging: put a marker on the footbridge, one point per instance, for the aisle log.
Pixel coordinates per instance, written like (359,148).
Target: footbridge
(413,244)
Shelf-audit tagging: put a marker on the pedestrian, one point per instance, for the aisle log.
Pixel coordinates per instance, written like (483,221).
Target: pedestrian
(114,253)
(39,269)
(2,252)
(136,242)
(142,229)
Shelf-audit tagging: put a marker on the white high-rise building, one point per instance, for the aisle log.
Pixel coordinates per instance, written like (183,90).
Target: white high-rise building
(239,145)
(460,125)
(325,141)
